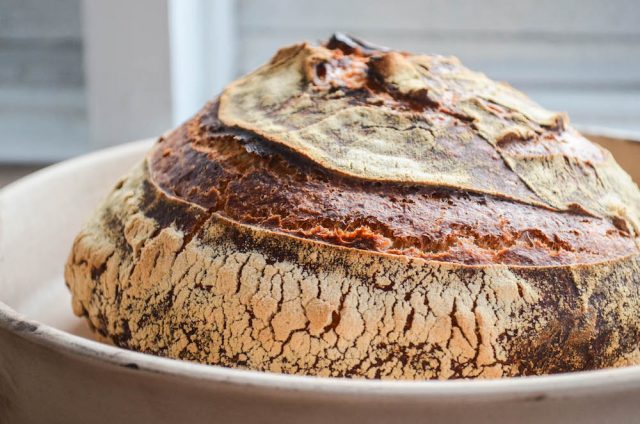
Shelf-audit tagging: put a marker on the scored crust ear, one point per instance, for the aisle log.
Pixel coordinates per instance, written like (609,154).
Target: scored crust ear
(426,120)
(352,211)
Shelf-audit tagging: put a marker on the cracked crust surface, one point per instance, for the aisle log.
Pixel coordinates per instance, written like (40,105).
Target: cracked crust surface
(255,235)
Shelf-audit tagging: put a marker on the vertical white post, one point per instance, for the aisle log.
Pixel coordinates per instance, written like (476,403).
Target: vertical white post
(202,34)
(187,38)
(222,36)
(151,64)
(127,66)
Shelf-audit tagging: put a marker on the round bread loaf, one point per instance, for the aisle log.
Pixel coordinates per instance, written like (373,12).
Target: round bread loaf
(352,211)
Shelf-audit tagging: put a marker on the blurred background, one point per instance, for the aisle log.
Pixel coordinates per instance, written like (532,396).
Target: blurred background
(81,75)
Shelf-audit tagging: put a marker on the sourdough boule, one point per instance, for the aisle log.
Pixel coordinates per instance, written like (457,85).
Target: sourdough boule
(353,211)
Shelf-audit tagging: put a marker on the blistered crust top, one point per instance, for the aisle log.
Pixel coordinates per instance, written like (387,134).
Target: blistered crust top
(391,116)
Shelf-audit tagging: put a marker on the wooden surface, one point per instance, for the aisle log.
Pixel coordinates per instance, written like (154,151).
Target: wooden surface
(625,151)
(10,173)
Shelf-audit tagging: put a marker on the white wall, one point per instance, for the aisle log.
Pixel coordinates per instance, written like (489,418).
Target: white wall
(127,64)
(42,103)
(581,56)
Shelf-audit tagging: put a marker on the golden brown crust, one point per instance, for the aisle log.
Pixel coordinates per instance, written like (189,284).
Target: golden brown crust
(223,293)
(242,178)
(295,228)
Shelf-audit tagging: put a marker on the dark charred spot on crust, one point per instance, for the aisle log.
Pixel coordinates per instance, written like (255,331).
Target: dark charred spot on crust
(122,337)
(387,288)
(96,272)
(409,322)
(621,224)
(119,184)
(577,338)
(115,229)
(349,44)
(511,137)
(321,70)
(417,100)
(166,211)
(335,321)
(102,325)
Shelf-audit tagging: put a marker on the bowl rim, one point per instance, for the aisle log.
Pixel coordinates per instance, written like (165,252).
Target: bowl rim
(565,385)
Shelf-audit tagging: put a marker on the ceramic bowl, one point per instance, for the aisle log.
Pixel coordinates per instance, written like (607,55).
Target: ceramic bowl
(51,371)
